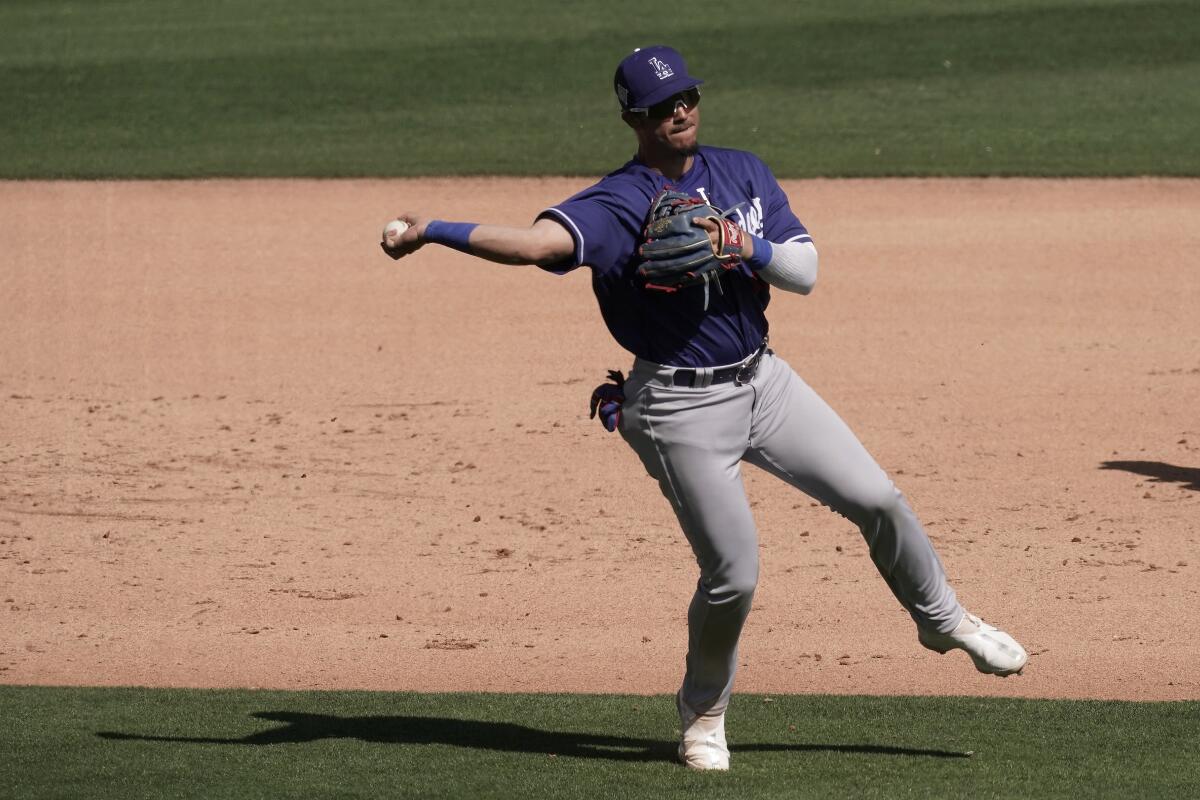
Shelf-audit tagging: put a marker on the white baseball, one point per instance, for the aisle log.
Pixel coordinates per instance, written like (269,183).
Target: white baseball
(394,229)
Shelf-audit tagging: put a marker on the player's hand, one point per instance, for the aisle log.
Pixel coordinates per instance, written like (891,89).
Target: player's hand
(408,242)
(714,236)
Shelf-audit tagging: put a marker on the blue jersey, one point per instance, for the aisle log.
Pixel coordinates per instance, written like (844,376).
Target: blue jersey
(688,328)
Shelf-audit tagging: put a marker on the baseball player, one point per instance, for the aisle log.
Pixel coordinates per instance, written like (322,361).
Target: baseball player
(684,286)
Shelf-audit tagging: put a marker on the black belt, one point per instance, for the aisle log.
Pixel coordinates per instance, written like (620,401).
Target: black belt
(741,373)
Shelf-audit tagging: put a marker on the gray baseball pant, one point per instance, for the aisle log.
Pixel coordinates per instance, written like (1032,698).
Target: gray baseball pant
(693,440)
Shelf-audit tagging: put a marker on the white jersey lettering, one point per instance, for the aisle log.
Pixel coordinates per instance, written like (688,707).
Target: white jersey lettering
(752,220)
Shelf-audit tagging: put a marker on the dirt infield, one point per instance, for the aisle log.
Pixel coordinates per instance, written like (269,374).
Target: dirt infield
(241,447)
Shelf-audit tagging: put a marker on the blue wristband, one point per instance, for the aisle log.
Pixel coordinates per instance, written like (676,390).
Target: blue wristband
(451,234)
(762,253)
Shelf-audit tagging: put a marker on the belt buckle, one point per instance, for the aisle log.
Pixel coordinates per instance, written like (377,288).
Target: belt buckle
(745,373)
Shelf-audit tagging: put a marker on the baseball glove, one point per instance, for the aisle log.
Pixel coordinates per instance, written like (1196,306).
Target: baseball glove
(677,253)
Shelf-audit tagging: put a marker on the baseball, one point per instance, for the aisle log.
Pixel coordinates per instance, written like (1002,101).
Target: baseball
(393,229)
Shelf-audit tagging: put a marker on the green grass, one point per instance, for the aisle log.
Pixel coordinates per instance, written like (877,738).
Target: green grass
(135,743)
(376,87)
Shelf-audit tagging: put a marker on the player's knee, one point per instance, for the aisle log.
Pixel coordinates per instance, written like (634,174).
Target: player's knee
(743,588)
(879,500)
(736,584)
(886,499)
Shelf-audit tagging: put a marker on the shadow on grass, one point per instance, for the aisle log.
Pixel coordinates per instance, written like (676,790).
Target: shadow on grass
(1159,472)
(501,736)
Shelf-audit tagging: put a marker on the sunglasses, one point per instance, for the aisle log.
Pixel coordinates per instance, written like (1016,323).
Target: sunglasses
(688,98)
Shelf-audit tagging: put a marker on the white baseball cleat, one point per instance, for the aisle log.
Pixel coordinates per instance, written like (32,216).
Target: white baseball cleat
(702,744)
(993,651)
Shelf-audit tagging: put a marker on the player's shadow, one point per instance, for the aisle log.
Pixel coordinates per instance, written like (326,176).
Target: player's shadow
(1159,472)
(500,736)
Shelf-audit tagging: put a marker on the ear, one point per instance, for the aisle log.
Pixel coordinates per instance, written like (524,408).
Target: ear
(632,120)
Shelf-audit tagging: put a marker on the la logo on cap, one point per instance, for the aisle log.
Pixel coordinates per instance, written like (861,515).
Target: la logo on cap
(662,69)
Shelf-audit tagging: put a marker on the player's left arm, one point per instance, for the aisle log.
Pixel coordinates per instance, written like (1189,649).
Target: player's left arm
(790,266)
(785,257)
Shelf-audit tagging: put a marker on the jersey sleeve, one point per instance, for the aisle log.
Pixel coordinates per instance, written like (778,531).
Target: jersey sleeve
(780,223)
(600,226)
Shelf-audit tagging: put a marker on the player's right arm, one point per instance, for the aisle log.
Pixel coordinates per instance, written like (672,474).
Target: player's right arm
(543,243)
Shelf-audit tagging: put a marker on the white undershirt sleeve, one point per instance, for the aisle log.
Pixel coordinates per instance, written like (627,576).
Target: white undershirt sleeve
(793,267)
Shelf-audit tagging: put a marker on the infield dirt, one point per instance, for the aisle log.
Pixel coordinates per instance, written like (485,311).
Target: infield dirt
(241,447)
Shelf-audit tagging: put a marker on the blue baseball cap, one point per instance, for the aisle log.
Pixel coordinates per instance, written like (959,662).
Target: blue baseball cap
(650,75)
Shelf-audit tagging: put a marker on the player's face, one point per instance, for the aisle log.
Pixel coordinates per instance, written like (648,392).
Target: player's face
(670,126)
(677,122)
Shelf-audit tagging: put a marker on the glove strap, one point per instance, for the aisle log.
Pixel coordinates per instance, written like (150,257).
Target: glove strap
(730,239)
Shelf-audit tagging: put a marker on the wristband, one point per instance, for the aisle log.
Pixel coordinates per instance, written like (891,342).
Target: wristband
(451,234)
(762,253)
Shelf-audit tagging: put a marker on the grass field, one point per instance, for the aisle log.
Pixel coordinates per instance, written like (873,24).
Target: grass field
(141,743)
(373,87)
